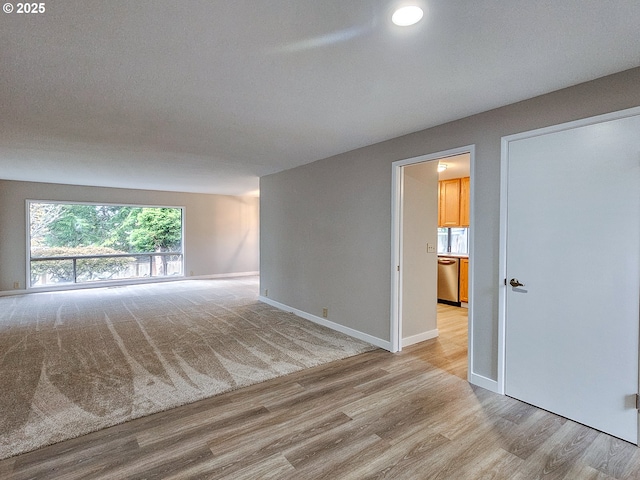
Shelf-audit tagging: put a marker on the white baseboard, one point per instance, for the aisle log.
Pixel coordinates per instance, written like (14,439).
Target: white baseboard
(378,342)
(222,275)
(484,382)
(421,337)
(6,293)
(140,281)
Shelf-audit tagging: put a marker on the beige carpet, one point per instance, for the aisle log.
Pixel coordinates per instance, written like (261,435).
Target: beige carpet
(75,362)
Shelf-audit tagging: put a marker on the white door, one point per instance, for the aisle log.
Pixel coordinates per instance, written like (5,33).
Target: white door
(573,240)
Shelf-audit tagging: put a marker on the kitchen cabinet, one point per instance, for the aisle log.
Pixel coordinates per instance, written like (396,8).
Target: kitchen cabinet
(453,198)
(449,205)
(465,197)
(464,280)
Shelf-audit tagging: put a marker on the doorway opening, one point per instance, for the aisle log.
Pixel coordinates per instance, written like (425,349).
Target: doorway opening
(422,221)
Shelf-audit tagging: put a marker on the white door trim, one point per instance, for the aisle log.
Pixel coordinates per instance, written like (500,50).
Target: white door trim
(396,242)
(502,256)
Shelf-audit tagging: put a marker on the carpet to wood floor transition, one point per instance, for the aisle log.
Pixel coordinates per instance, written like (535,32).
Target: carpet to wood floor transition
(75,362)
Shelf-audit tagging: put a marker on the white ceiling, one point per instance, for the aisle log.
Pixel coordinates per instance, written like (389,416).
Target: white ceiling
(458,166)
(206,96)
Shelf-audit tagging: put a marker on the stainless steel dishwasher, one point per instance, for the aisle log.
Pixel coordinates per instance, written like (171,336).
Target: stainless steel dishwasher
(448,279)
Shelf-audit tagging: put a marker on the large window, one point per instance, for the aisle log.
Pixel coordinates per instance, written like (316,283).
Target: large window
(79,243)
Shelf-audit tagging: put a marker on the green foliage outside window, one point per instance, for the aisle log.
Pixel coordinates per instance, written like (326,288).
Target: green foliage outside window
(85,230)
(89,269)
(157,230)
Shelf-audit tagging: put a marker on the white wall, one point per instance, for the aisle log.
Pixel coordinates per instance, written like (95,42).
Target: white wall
(326,227)
(221,232)
(419,268)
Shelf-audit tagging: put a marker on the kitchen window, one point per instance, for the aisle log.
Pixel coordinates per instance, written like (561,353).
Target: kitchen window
(453,240)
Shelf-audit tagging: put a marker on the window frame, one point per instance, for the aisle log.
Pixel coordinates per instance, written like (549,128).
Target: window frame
(99,283)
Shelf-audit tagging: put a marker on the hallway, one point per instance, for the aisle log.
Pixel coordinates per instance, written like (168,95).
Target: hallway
(449,350)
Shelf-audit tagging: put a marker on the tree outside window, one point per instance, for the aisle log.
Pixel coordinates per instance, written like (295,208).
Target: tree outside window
(87,242)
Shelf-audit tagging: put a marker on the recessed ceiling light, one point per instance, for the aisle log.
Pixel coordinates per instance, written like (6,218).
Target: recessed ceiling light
(406,16)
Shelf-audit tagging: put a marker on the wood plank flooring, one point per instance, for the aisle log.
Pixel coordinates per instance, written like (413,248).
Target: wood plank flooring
(376,415)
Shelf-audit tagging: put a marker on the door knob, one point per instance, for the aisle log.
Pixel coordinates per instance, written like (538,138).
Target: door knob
(515,283)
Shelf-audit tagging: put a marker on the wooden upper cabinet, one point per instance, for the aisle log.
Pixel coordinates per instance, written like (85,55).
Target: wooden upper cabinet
(453,208)
(464,202)
(449,207)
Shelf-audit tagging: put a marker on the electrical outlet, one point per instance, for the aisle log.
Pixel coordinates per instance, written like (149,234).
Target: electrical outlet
(325,312)
(266,292)
(16,285)
(431,248)
(191,273)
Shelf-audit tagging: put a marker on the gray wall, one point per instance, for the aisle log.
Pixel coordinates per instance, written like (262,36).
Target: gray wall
(221,232)
(419,268)
(326,226)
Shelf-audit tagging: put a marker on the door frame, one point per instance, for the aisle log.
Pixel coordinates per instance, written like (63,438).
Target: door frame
(397,196)
(504,188)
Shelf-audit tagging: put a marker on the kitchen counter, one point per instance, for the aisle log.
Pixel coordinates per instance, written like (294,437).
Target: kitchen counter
(454,255)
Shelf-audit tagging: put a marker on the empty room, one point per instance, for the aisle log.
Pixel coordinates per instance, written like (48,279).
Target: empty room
(236,242)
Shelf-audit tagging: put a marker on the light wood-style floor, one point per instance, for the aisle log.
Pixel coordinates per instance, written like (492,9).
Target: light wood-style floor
(377,415)
(449,350)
